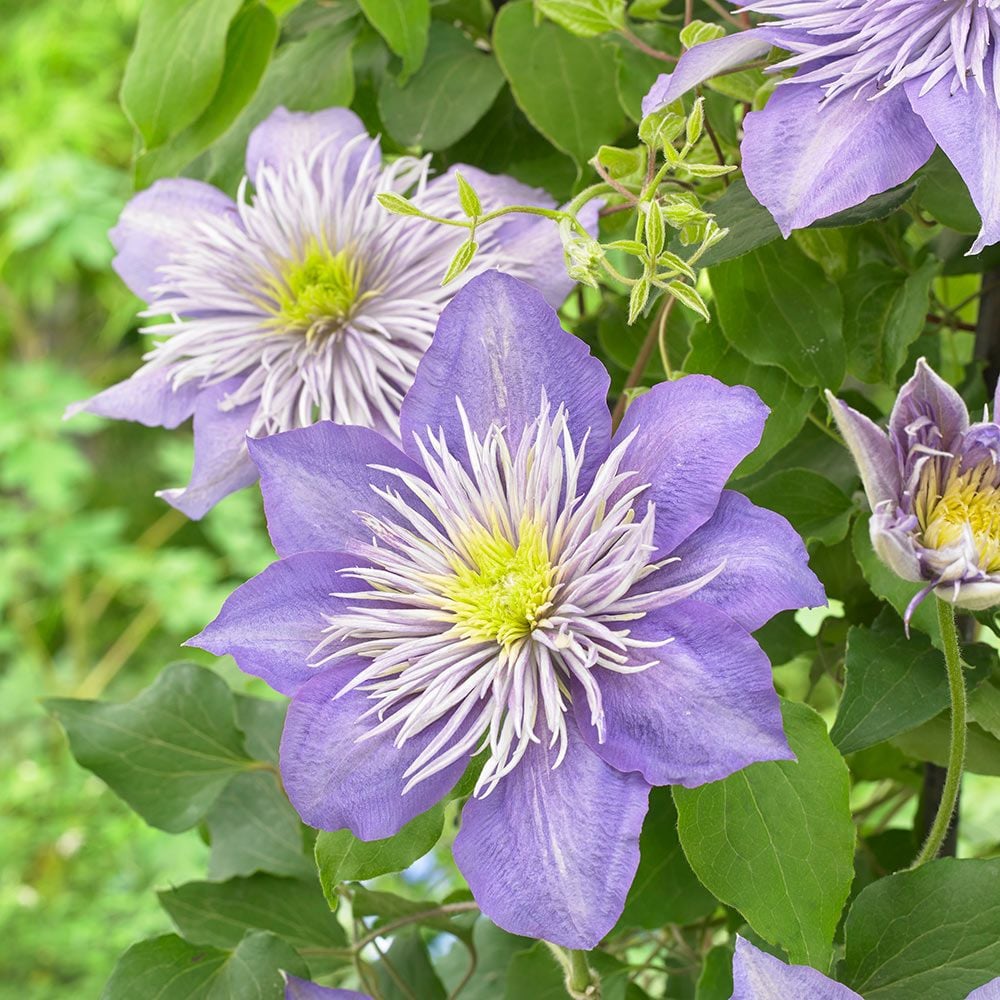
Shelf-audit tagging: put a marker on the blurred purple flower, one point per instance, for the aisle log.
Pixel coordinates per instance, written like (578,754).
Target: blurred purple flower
(760,976)
(302,989)
(573,605)
(933,483)
(304,301)
(878,84)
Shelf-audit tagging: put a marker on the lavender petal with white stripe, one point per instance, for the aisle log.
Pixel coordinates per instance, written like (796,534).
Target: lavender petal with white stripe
(525,592)
(877,84)
(305,300)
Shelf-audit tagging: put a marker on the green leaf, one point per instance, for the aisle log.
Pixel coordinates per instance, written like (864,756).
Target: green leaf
(467,197)
(552,75)
(716,979)
(778,308)
(261,721)
(712,354)
(249,45)
(932,933)
(442,102)
(535,973)
(168,752)
(750,225)
(776,840)
(665,889)
(341,857)
(169,968)
(873,209)
(495,949)
(176,65)
(984,704)
(308,74)
(387,906)
(220,913)
(253,827)
(462,259)
(414,974)
(893,684)
(816,508)
(397,204)
(932,742)
(885,311)
(404,24)
(945,195)
(698,32)
(585,18)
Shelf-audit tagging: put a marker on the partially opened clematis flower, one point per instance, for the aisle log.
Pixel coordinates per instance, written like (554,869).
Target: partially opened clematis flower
(760,976)
(305,301)
(878,83)
(933,483)
(569,606)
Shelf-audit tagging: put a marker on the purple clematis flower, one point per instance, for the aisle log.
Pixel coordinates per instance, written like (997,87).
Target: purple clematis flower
(302,989)
(878,84)
(933,483)
(571,607)
(305,301)
(760,976)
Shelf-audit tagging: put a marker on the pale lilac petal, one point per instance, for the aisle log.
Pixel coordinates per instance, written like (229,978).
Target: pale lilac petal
(705,709)
(894,544)
(971,596)
(927,397)
(286,136)
(156,225)
(337,781)
(551,853)
(147,397)
(871,450)
(966,125)
(302,989)
(692,433)
(221,462)
(499,347)
(766,564)
(804,159)
(272,624)
(316,479)
(759,976)
(703,62)
(991,991)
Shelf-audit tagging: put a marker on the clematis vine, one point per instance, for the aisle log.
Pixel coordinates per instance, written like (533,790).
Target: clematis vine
(877,84)
(518,592)
(933,483)
(304,300)
(760,976)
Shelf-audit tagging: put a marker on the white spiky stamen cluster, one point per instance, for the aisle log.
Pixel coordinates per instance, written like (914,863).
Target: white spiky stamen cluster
(234,292)
(869,47)
(518,588)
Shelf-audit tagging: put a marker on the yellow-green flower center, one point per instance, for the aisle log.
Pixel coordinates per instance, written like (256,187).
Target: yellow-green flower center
(967,502)
(500,591)
(317,293)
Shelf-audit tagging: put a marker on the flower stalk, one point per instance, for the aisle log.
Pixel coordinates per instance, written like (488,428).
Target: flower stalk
(956,757)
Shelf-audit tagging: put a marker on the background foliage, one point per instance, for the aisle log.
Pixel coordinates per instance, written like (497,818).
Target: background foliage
(100,583)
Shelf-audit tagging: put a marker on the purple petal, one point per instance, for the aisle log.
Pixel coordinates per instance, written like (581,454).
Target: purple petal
(156,225)
(991,991)
(871,450)
(335,779)
(147,398)
(893,541)
(221,462)
(759,976)
(966,125)
(273,622)
(766,564)
(804,160)
(551,853)
(692,433)
(285,137)
(703,62)
(316,478)
(498,347)
(934,411)
(302,989)
(705,709)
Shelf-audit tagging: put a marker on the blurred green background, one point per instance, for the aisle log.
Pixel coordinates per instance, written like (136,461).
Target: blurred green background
(100,582)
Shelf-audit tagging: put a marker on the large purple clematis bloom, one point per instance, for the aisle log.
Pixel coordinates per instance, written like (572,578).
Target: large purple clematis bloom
(760,976)
(933,483)
(305,301)
(571,605)
(878,84)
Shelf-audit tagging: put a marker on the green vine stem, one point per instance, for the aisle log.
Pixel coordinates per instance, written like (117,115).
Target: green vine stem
(956,759)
